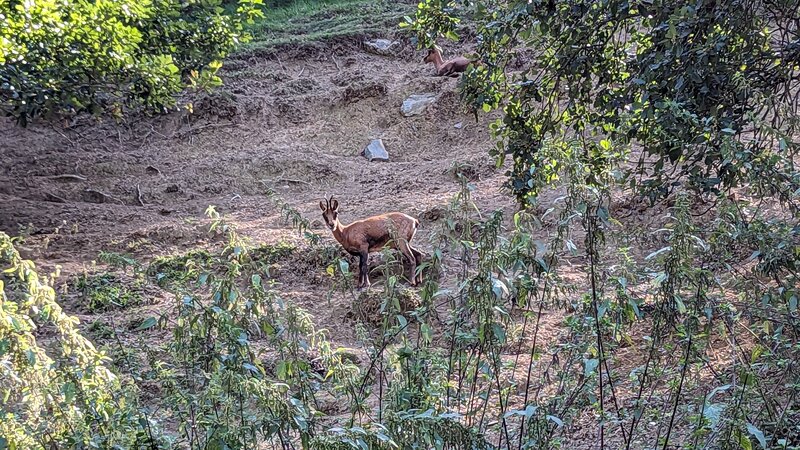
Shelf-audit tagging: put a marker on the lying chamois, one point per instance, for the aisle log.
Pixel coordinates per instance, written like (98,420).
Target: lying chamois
(450,68)
(362,237)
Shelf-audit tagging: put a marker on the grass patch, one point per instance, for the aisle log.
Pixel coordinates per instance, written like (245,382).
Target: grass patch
(369,307)
(314,20)
(179,269)
(104,291)
(271,253)
(100,329)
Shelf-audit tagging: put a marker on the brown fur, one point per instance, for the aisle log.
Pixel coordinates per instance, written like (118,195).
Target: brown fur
(372,234)
(451,68)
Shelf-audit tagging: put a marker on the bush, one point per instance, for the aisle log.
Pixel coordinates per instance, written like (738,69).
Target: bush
(68,56)
(62,394)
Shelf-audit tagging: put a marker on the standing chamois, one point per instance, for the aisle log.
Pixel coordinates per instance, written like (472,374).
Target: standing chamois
(363,237)
(451,68)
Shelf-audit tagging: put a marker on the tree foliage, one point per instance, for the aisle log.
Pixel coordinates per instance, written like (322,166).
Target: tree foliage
(707,90)
(70,56)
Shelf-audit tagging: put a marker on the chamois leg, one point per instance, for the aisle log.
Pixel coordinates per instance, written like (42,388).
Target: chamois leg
(418,259)
(363,269)
(405,249)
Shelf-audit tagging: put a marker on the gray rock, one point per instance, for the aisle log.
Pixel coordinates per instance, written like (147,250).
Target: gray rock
(376,150)
(416,104)
(383,47)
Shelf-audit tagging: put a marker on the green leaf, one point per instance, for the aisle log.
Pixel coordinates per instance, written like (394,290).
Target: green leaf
(344,266)
(426,332)
(148,323)
(68,389)
(401,320)
(589,366)
(679,304)
(759,435)
(251,368)
(744,441)
(559,423)
(657,252)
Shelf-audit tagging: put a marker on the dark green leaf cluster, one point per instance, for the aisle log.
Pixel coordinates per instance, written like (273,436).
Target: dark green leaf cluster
(706,89)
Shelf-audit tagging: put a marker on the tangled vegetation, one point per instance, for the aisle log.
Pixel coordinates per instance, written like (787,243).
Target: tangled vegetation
(692,106)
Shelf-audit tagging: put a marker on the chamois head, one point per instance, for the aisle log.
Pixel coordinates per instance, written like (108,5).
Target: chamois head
(330,212)
(431,56)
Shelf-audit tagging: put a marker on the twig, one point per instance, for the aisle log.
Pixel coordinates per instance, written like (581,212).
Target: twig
(67,176)
(71,142)
(191,131)
(153,130)
(139,195)
(301,72)
(292,180)
(54,198)
(275,55)
(333,57)
(145,138)
(104,195)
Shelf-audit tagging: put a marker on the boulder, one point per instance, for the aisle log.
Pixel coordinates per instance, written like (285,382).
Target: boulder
(416,104)
(376,151)
(383,47)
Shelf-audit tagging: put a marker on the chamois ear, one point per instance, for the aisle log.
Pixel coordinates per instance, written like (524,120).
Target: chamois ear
(335,205)
(322,206)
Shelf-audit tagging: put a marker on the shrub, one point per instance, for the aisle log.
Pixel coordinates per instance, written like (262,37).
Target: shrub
(69,56)
(62,395)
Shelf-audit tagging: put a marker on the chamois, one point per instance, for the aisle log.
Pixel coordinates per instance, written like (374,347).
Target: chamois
(363,237)
(451,68)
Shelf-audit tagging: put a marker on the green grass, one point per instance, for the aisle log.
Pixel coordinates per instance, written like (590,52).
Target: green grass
(179,269)
(315,20)
(174,271)
(105,291)
(267,254)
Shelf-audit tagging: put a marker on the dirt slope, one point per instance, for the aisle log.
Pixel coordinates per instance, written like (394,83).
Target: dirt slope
(296,122)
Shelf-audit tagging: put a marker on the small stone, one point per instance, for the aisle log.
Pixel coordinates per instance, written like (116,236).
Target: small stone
(416,104)
(376,150)
(383,47)
(458,126)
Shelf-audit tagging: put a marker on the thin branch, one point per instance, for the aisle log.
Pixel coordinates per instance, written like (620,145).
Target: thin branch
(139,195)
(67,176)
